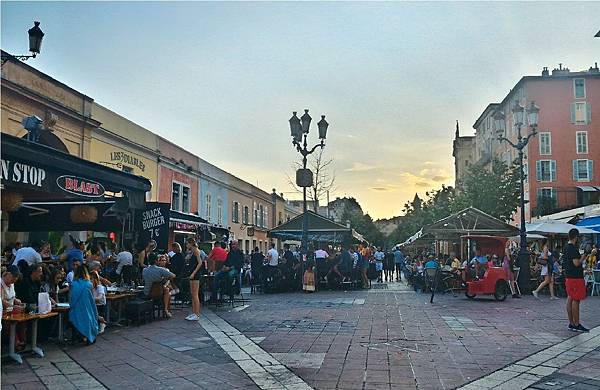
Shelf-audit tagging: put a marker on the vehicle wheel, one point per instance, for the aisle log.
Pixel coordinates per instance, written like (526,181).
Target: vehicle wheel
(470,296)
(501,290)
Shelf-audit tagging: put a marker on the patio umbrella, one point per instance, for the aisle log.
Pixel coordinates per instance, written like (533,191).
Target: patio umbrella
(530,236)
(550,226)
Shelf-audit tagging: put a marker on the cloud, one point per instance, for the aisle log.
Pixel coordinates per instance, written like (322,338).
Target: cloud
(360,167)
(440,178)
(380,188)
(422,184)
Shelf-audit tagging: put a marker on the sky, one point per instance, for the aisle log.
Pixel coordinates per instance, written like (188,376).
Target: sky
(222,78)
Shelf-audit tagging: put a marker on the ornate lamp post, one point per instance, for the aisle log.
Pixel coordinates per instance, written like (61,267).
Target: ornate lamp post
(35,43)
(518,112)
(299,128)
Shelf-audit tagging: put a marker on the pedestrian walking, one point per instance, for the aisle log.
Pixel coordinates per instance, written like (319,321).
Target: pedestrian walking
(574,283)
(546,260)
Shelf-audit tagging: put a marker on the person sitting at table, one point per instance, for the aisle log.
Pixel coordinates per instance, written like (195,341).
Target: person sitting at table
(74,254)
(29,287)
(71,275)
(83,313)
(57,284)
(231,269)
(217,256)
(31,254)
(99,292)
(156,274)
(125,257)
(9,297)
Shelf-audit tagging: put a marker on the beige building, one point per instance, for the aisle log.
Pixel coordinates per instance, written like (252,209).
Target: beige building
(65,111)
(121,144)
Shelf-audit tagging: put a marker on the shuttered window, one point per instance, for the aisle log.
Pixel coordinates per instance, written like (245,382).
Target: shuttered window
(581,113)
(582,142)
(545,170)
(583,170)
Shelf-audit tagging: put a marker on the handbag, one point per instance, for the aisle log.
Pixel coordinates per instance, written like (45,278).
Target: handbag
(44,304)
(541,261)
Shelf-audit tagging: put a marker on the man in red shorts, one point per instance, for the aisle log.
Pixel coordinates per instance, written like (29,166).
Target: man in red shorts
(574,282)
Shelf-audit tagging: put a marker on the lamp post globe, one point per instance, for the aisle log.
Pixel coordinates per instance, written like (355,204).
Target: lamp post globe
(323,125)
(295,127)
(35,38)
(306,119)
(518,111)
(499,123)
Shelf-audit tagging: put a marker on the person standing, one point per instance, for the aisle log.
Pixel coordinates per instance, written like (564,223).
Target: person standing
(193,264)
(256,267)
(574,282)
(31,254)
(272,260)
(379,256)
(547,272)
(400,263)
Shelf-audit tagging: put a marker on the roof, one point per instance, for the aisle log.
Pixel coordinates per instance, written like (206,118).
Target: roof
(490,107)
(319,228)
(469,221)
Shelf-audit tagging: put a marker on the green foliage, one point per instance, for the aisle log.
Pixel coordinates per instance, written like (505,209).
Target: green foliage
(495,192)
(362,223)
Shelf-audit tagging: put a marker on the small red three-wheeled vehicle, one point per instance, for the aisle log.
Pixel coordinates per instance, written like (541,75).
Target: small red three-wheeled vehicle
(494,280)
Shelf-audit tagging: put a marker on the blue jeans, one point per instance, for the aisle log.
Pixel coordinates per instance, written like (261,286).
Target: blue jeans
(219,277)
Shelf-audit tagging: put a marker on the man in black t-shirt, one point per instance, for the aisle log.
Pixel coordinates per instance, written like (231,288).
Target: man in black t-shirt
(231,269)
(574,281)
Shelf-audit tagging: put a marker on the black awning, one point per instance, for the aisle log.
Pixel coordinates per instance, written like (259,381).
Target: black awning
(56,216)
(39,172)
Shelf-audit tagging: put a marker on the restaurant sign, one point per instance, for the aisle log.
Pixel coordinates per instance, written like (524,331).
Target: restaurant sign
(154,224)
(80,186)
(23,175)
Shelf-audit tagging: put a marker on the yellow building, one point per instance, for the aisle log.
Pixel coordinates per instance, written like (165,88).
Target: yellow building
(121,144)
(66,112)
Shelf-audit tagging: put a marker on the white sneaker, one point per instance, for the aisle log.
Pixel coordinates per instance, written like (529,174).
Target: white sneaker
(192,317)
(101,328)
(174,292)
(189,316)
(535,294)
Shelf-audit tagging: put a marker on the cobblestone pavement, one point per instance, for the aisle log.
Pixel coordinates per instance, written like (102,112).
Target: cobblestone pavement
(384,338)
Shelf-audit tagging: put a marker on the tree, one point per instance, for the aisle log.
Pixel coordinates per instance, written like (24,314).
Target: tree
(495,192)
(323,177)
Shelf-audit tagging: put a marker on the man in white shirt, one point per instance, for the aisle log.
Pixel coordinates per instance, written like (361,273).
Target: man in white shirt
(123,258)
(29,254)
(272,262)
(379,257)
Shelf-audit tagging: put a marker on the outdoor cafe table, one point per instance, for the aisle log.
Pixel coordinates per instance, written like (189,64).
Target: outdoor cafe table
(117,298)
(12,320)
(61,310)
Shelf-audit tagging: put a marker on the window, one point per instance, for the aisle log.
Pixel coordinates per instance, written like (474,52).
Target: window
(175,197)
(219,211)
(545,170)
(255,220)
(235,212)
(261,216)
(583,170)
(582,142)
(545,143)
(208,206)
(579,88)
(185,199)
(246,215)
(180,198)
(280,219)
(546,199)
(581,113)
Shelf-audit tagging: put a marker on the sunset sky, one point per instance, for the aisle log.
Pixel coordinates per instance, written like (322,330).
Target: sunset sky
(222,79)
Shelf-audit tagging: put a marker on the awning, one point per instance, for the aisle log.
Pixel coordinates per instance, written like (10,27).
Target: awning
(589,188)
(590,223)
(40,173)
(319,229)
(550,226)
(469,221)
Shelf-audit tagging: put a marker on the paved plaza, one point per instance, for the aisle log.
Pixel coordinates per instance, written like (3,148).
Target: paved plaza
(383,338)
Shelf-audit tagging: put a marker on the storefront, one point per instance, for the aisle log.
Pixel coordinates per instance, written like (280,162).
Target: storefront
(44,188)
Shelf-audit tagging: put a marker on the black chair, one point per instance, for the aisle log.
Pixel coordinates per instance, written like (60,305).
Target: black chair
(139,311)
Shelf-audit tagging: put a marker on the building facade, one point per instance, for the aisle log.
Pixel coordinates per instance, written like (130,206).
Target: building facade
(561,162)
(463,151)
(123,145)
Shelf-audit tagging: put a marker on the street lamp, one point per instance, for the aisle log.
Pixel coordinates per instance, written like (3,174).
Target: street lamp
(299,128)
(35,44)
(518,112)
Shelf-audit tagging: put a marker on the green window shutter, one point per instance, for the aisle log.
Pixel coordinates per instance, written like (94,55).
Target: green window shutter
(552,170)
(588,112)
(572,112)
(575,170)
(554,197)
(590,167)
(538,170)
